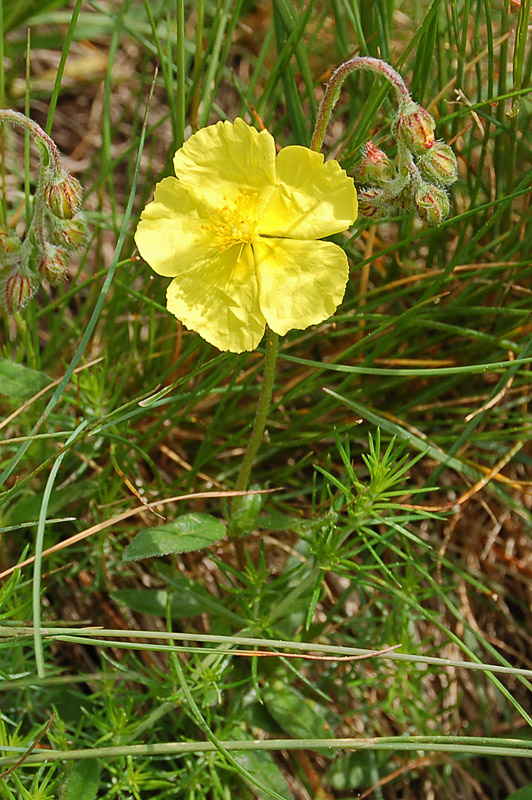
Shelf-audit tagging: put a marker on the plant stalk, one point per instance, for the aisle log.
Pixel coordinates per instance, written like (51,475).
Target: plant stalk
(255,439)
(332,91)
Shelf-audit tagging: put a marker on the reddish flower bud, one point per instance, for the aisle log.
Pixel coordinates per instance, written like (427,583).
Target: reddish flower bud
(438,164)
(9,240)
(404,201)
(374,167)
(415,128)
(432,204)
(18,289)
(52,264)
(373,203)
(63,196)
(70,233)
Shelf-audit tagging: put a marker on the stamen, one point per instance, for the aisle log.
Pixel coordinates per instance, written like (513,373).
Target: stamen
(235,223)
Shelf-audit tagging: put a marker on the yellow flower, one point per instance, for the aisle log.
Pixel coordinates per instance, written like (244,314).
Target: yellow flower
(237,231)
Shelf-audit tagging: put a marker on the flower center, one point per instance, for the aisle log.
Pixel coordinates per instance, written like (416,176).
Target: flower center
(235,223)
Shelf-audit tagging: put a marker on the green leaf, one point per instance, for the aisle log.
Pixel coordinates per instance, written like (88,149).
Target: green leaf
(187,601)
(185,534)
(262,765)
(27,507)
(83,781)
(275,521)
(357,770)
(524,793)
(245,517)
(19,383)
(299,717)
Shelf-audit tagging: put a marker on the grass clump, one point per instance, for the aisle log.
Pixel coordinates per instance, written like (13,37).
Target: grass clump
(391,504)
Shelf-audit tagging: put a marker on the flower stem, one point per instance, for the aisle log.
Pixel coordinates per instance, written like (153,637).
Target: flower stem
(41,138)
(332,91)
(50,163)
(25,333)
(257,432)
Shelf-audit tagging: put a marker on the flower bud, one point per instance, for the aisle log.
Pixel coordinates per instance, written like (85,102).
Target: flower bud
(63,196)
(438,164)
(403,202)
(52,264)
(17,289)
(432,204)
(374,167)
(372,203)
(70,233)
(9,240)
(415,128)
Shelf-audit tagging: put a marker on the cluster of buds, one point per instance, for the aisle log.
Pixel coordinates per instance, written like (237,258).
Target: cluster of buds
(57,225)
(425,169)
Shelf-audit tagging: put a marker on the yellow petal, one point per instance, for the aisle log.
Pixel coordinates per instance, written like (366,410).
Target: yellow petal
(223,160)
(219,300)
(312,198)
(301,283)
(172,230)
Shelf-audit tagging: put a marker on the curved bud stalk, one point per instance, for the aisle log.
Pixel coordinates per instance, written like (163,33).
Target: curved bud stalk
(57,224)
(425,167)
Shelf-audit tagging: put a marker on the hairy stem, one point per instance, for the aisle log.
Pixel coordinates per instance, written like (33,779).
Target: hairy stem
(332,91)
(257,432)
(40,137)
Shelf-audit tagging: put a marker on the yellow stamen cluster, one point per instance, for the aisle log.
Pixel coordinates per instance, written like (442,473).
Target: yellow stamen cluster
(235,223)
